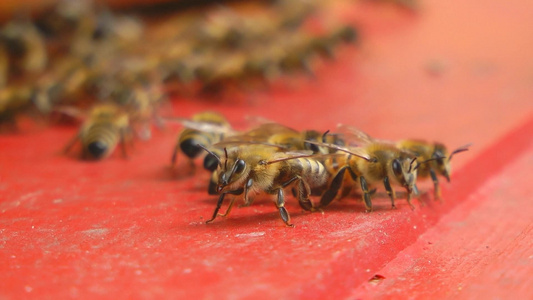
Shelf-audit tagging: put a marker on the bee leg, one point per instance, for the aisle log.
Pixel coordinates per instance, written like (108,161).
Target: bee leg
(71,143)
(294,192)
(229,208)
(435,184)
(174,158)
(334,187)
(219,203)
(123,143)
(409,194)
(366,194)
(280,204)
(247,186)
(303,192)
(303,195)
(212,187)
(390,191)
(416,192)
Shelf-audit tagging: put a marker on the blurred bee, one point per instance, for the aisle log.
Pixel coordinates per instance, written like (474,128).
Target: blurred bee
(435,157)
(13,100)
(24,46)
(105,127)
(369,164)
(203,130)
(64,83)
(263,168)
(4,67)
(139,97)
(301,50)
(326,44)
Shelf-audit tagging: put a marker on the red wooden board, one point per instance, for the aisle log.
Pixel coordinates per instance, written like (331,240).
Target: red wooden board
(456,72)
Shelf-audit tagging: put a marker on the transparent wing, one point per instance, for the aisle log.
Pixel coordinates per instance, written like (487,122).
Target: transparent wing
(202,126)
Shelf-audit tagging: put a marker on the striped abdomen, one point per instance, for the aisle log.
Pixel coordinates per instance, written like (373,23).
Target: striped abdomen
(311,170)
(190,138)
(100,139)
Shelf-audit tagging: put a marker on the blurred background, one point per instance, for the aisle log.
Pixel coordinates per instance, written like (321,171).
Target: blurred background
(127,222)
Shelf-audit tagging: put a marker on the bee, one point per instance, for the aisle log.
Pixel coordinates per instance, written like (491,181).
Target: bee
(369,164)
(13,100)
(436,158)
(139,97)
(63,83)
(4,67)
(325,44)
(267,169)
(203,130)
(25,47)
(105,127)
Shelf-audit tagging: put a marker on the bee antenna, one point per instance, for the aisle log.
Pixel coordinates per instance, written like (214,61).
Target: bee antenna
(428,160)
(411,165)
(459,150)
(226,161)
(324,136)
(210,152)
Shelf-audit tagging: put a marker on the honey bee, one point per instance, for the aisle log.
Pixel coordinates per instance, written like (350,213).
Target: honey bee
(203,130)
(25,47)
(435,157)
(325,44)
(4,67)
(63,83)
(369,164)
(105,127)
(13,100)
(266,169)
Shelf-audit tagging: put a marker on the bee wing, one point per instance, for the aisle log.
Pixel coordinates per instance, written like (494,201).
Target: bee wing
(269,129)
(237,142)
(356,151)
(201,126)
(71,111)
(354,135)
(359,137)
(259,134)
(283,156)
(257,119)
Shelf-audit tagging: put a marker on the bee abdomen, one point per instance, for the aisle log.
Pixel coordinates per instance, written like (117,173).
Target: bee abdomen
(312,171)
(100,139)
(189,140)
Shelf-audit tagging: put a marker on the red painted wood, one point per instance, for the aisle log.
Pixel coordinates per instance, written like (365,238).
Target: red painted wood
(132,228)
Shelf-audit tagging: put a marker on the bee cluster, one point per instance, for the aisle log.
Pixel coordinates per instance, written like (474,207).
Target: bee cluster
(79,55)
(272,158)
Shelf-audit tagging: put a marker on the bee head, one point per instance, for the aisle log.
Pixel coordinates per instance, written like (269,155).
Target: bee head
(234,171)
(442,159)
(312,135)
(404,170)
(441,163)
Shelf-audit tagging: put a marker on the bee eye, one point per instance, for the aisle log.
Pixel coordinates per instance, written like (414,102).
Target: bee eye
(396,167)
(312,147)
(239,166)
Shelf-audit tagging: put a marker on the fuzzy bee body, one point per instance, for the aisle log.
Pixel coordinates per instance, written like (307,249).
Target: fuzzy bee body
(203,134)
(105,127)
(436,158)
(369,164)
(266,169)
